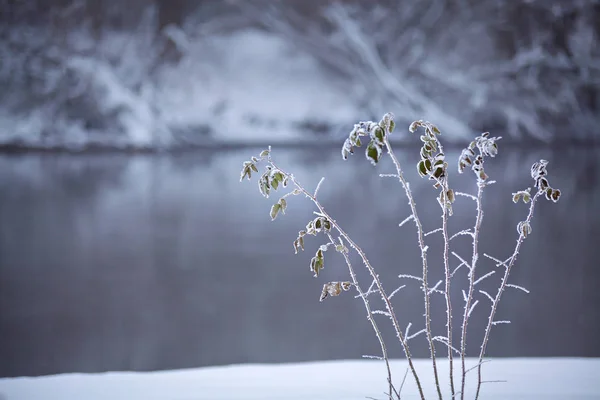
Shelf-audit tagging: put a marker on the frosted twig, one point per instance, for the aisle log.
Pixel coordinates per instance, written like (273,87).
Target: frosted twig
(478,364)
(396,291)
(388,176)
(483,277)
(498,262)
(500,322)
(435,288)
(462,260)
(367,293)
(433,231)
(456,269)
(495,381)
(410,217)
(472,308)
(407,329)
(381,312)
(318,187)
(464,295)
(372,357)
(444,340)
(486,294)
(407,276)
(414,335)
(470,196)
(461,233)
(517,287)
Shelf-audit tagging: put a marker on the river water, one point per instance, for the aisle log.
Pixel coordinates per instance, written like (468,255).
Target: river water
(163,261)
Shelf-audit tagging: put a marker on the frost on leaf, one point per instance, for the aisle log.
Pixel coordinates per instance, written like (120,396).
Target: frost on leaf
(525,194)
(539,174)
(281,205)
(373,152)
(316,263)
(524,228)
(334,289)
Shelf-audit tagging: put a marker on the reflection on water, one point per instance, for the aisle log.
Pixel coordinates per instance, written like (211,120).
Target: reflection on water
(121,262)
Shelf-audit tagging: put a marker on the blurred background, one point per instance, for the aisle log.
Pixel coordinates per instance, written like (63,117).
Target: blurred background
(128,243)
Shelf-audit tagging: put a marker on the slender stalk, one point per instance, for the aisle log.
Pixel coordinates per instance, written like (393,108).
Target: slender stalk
(369,315)
(447,294)
(423,249)
(475,257)
(371,270)
(508,267)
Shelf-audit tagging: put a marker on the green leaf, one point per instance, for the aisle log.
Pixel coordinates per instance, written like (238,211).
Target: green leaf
(516,197)
(254,167)
(318,224)
(373,152)
(275,210)
(283,204)
(379,134)
(392,126)
(436,130)
(421,168)
(264,153)
(428,165)
(274,184)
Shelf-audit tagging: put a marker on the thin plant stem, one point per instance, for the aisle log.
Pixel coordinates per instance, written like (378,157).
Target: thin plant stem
(371,270)
(423,249)
(447,293)
(507,267)
(475,257)
(367,305)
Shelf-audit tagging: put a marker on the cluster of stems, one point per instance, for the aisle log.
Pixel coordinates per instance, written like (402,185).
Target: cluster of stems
(433,166)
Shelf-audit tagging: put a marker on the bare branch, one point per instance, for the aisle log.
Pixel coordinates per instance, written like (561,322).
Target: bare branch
(517,287)
(478,364)
(414,335)
(487,295)
(372,357)
(470,196)
(410,217)
(498,262)
(318,187)
(410,277)
(456,269)
(396,291)
(461,260)
(381,312)
(461,233)
(433,231)
(444,340)
(472,308)
(483,277)
(435,288)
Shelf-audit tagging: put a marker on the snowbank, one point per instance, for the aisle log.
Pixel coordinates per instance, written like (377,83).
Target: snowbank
(542,378)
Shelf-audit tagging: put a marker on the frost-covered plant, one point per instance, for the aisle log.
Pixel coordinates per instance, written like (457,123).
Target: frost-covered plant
(433,166)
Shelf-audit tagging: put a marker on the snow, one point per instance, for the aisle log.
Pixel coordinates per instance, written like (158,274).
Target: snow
(527,379)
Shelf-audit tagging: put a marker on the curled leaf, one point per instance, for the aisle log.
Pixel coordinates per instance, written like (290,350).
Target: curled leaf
(275,210)
(334,289)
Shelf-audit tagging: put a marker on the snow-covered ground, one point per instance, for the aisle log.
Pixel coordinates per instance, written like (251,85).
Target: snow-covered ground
(526,379)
